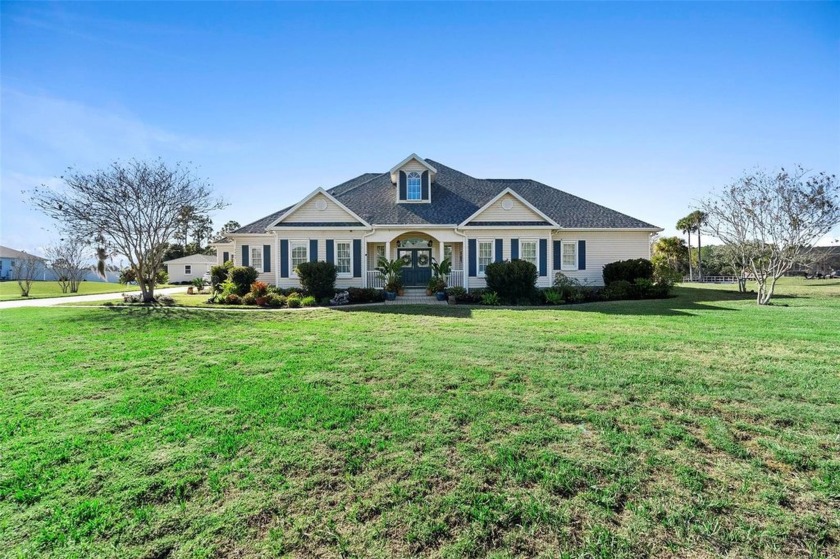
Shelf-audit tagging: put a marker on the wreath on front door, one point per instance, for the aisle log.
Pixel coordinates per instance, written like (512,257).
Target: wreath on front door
(423,260)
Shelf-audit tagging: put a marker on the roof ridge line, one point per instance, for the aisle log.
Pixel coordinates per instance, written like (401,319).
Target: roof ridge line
(358,185)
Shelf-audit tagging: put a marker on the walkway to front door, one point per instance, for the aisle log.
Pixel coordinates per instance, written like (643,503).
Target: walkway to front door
(417,266)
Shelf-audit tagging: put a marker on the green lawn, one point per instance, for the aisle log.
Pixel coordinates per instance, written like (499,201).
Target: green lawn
(9,290)
(697,426)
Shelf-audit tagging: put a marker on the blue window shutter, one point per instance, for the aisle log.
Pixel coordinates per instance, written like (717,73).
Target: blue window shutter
(514,249)
(543,257)
(357,258)
(472,257)
(266,258)
(225,257)
(581,255)
(557,255)
(424,185)
(313,250)
(403,194)
(245,255)
(330,249)
(500,248)
(284,258)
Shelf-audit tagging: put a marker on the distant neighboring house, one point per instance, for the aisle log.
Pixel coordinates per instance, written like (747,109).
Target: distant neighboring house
(187,268)
(823,260)
(422,210)
(8,256)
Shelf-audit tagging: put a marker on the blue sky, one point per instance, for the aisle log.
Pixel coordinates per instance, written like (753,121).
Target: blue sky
(641,107)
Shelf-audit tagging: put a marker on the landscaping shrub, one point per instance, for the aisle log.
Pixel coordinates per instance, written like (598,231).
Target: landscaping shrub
(619,289)
(293,302)
(365,295)
(276,301)
(259,289)
(490,298)
(318,278)
(243,277)
(628,270)
(512,280)
(219,274)
(164,299)
(233,299)
(308,301)
(646,289)
(457,291)
(249,299)
(554,296)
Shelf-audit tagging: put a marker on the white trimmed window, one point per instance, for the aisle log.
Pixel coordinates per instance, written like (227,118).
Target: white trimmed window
(256,258)
(569,257)
(528,252)
(485,255)
(380,252)
(447,254)
(187,270)
(298,254)
(413,188)
(344,258)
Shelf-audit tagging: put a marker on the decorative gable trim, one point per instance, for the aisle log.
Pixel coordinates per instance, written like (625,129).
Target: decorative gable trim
(417,158)
(314,193)
(498,197)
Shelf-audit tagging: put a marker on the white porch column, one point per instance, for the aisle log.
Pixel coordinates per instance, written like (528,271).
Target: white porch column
(388,250)
(440,252)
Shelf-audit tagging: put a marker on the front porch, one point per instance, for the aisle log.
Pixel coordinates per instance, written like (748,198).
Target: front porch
(418,250)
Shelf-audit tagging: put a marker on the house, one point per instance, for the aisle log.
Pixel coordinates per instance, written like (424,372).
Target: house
(422,210)
(187,268)
(8,256)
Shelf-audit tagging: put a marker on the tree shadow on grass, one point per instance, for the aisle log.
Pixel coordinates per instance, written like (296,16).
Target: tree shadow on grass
(449,311)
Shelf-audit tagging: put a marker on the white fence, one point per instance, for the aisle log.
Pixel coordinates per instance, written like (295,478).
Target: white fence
(713,279)
(374,280)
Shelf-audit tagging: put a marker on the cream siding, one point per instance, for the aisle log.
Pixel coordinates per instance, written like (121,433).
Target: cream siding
(321,236)
(255,240)
(506,235)
(309,212)
(603,247)
(517,212)
(413,165)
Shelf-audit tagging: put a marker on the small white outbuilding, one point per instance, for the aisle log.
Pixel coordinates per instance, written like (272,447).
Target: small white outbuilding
(187,268)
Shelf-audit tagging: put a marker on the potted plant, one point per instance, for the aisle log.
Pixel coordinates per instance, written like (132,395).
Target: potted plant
(438,283)
(389,272)
(199,284)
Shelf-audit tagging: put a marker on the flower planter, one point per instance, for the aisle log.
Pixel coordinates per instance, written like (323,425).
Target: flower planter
(390,295)
(440,296)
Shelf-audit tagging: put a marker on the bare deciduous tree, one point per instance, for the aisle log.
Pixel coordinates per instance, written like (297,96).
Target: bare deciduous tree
(770,221)
(69,260)
(134,207)
(24,269)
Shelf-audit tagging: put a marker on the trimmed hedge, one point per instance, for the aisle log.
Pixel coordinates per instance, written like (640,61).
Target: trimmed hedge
(512,280)
(628,270)
(318,278)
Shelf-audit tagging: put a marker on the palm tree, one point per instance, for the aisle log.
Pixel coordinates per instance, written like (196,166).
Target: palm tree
(698,219)
(686,225)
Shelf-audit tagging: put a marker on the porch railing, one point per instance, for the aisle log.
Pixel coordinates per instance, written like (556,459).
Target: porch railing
(374,279)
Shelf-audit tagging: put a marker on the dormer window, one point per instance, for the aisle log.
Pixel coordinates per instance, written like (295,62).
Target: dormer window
(414,189)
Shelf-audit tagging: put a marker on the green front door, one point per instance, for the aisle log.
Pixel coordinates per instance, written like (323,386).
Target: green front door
(417,266)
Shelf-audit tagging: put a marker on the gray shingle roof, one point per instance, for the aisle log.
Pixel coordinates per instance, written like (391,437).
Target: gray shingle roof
(6,252)
(455,197)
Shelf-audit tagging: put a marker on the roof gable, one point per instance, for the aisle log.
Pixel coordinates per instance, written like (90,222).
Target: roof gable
(508,206)
(413,158)
(319,207)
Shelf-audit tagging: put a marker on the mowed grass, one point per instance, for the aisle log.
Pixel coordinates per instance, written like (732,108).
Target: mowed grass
(9,290)
(697,426)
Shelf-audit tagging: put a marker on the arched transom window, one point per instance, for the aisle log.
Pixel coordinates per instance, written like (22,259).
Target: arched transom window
(413,192)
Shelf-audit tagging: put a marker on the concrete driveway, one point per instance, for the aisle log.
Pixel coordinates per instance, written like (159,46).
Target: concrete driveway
(51,301)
